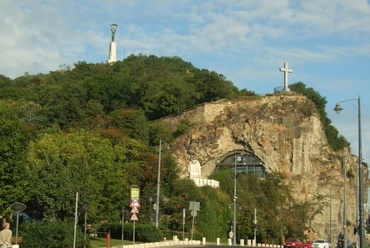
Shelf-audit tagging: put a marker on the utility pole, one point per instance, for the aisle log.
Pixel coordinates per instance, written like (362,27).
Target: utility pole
(235,197)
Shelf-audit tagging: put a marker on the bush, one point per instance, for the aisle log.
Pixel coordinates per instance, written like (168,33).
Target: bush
(51,234)
(143,232)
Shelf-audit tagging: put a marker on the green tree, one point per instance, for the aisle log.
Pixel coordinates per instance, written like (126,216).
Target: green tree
(132,121)
(64,104)
(278,212)
(61,165)
(14,139)
(214,87)
(214,214)
(158,131)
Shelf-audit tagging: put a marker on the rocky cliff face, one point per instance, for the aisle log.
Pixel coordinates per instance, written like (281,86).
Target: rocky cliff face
(285,132)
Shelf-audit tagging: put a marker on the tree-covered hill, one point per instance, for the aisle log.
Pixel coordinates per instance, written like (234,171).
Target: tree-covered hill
(157,86)
(92,129)
(88,129)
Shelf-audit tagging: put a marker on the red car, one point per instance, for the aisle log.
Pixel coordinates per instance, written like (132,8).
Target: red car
(295,243)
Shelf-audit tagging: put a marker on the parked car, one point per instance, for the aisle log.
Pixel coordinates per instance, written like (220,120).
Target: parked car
(296,243)
(321,243)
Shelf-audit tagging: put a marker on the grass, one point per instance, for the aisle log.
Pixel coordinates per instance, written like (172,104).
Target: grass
(102,242)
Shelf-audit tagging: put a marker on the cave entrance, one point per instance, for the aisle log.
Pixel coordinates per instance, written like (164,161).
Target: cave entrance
(245,163)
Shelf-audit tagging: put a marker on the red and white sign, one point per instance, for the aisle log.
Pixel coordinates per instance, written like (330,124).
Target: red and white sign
(134,217)
(134,205)
(134,210)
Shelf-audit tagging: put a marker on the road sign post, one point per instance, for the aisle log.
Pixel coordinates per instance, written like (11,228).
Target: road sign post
(194,207)
(183,223)
(134,205)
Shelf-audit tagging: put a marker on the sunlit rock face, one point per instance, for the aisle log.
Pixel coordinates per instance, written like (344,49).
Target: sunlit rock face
(283,131)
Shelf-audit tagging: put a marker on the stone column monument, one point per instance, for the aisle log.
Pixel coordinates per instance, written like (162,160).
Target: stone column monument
(113,46)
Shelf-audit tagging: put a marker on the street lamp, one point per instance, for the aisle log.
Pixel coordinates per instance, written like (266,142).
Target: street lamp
(17,207)
(361,231)
(345,206)
(235,197)
(159,181)
(330,231)
(233,222)
(255,226)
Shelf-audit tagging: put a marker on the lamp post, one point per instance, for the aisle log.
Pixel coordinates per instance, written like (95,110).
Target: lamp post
(330,231)
(255,226)
(17,207)
(345,205)
(159,182)
(235,197)
(361,231)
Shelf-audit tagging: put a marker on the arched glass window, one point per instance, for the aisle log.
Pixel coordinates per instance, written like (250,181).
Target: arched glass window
(245,163)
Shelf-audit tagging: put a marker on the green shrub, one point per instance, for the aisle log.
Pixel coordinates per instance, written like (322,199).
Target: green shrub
(143,232)
(51,234)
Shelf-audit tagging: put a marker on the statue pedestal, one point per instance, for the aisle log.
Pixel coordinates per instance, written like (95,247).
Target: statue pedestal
(112,52)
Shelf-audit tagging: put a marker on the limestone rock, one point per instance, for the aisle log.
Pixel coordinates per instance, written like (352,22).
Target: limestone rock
(285,132)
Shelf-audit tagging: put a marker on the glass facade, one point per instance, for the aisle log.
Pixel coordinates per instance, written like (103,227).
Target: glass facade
(245,163)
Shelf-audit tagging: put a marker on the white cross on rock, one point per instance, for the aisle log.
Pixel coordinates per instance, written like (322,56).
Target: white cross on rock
(286,70)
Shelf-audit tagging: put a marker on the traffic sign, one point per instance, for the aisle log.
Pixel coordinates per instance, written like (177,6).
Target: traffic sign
(134,210)
(194,206)
(134,217)
(135,192)
(135,203)
(183,215)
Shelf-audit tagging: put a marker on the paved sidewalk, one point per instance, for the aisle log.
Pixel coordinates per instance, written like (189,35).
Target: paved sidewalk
(174,243)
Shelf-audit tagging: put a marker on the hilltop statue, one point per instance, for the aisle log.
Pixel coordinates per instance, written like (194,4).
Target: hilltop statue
(113,46)
(113,28)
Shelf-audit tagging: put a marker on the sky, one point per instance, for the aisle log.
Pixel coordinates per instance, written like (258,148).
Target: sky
(325,43)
